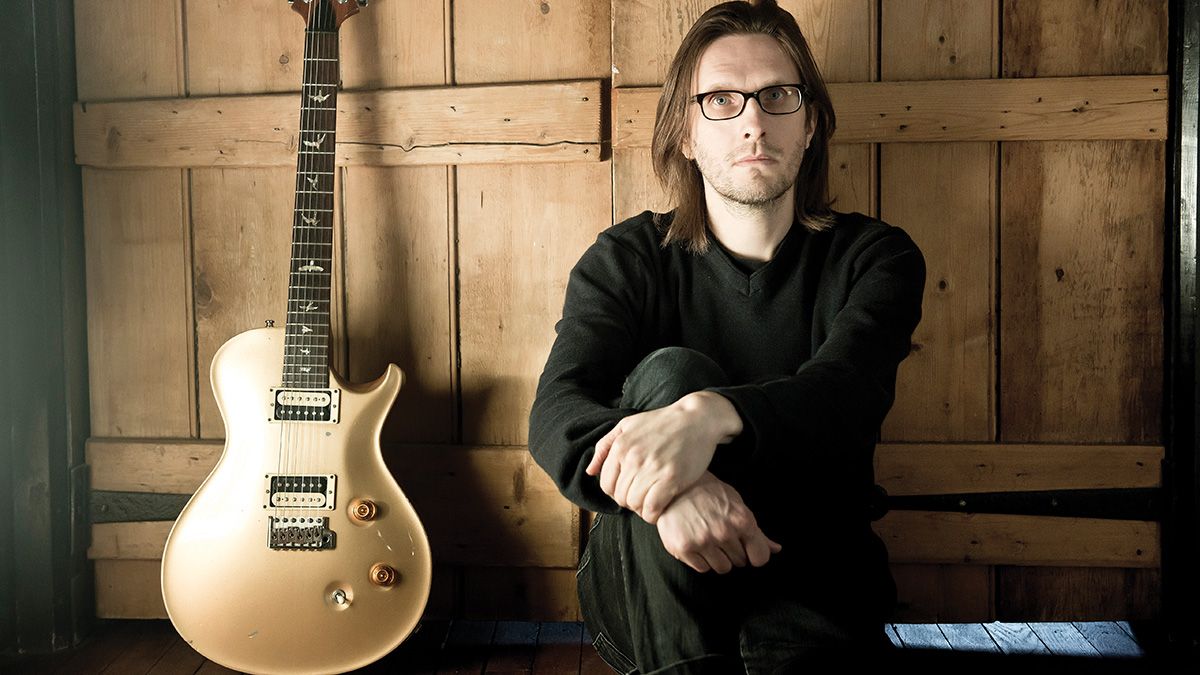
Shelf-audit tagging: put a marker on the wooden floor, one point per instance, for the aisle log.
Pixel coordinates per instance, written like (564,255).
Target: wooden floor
(153,647)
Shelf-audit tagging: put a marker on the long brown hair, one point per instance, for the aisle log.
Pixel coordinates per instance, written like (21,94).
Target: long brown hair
(680,177)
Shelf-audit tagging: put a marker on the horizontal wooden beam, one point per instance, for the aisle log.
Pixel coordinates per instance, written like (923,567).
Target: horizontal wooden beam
(935,468)
(539,122)
(492,505)
(1132,107)
(987,539)
(179,466)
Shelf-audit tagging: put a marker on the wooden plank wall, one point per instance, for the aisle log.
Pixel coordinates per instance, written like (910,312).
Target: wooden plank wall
(1042,327)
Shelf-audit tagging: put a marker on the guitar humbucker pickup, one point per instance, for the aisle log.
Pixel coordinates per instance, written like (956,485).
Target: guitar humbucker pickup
(305,405)
(300,491)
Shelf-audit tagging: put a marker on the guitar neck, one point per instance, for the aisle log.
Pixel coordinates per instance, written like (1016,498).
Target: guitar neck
(306,345)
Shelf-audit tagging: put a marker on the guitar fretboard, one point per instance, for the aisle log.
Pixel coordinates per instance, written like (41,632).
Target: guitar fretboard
(306,345)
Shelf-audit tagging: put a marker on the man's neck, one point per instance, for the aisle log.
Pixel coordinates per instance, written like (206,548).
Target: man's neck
(750,232)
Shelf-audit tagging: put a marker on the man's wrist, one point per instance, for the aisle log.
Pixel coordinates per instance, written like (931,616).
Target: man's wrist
(714,408)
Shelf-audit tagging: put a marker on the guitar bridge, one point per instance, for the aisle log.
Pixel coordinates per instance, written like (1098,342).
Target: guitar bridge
(311,534)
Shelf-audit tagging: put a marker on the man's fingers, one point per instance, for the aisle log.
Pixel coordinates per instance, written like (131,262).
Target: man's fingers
(620,492)
(609,473)
(757,549)
(696,562)
(658,498)
(602,447)
(734,551)
(717,559)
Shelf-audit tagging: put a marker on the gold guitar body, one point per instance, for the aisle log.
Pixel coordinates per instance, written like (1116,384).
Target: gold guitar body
(248,605)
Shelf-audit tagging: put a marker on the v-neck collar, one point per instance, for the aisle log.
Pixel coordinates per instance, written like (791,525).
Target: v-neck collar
(726,266)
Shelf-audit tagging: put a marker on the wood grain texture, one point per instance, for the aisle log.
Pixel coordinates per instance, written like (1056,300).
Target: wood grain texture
(1081,301)
(139,327)
(853,182)
(521,230)
(148,465)
(1078,594)
(128,49)
(943,195)
(1084,37)
(524,40)
(129,541)
(994,539)
(395,44)
(1132,107)
(945,593)
(541,122)
(398,300)
(243,47)
(242,233)
(129,589)
(178,466)
(646,34)
(944,390)
(1081,358)
(928,468)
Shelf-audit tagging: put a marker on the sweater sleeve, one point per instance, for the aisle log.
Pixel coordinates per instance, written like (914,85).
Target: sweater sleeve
(823,421)
(574,406)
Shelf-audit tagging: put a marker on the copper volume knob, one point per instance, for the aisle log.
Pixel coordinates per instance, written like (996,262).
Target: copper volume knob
(383,575)
(363,509)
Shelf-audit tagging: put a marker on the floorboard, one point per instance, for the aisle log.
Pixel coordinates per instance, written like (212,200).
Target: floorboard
(1109,639)
(1063,638)
(922,636)
(564,648)
(1015,638)
(968,637)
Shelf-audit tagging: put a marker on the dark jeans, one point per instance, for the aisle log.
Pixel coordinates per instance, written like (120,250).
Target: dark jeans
(650,613)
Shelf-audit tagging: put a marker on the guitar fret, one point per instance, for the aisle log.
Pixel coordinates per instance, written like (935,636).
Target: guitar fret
(315,192)
(317,152)
(315,210)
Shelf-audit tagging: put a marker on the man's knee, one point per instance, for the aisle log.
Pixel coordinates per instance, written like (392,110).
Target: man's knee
(668,374)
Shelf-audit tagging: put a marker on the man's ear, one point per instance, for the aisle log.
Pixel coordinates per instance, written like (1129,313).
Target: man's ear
(686,148)
(812,129)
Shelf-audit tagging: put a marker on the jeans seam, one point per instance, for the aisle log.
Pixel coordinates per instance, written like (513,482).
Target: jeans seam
(625,664)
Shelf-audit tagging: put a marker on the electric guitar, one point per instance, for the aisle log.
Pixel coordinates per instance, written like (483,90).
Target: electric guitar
(299,553)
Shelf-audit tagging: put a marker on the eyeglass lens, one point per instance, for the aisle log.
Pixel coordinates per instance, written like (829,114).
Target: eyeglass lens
(720,105)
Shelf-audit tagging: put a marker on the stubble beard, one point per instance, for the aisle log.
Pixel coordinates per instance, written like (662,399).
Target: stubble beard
(754,192)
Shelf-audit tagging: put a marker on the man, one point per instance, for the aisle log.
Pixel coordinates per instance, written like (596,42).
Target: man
(721,373)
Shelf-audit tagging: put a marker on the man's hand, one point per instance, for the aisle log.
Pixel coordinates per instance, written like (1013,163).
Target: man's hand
(649,458)
(709,527)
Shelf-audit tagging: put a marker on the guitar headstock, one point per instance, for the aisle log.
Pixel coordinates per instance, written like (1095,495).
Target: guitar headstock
(326,15)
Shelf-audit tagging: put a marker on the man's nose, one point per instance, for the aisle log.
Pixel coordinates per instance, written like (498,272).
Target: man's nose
(752,119)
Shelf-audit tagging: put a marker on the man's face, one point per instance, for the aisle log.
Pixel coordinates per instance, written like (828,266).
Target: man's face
(747,63)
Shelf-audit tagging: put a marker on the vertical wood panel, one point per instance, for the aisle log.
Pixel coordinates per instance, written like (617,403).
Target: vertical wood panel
(945,593)
(1084,37)
(530,40)
(139,330)
(242,228)
(237,47)
(646,34)
(398,294)
(396,43)
(1081,255)
(943,194)
(130,49)
(1083,594)
(521,229)
(1080,292)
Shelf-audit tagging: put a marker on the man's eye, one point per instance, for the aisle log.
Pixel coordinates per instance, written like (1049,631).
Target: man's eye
(775,94)
(719,99)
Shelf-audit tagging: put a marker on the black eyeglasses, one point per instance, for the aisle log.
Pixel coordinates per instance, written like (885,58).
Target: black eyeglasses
(778,99)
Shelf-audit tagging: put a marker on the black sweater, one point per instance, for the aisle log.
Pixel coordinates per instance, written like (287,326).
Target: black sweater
(813,338)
